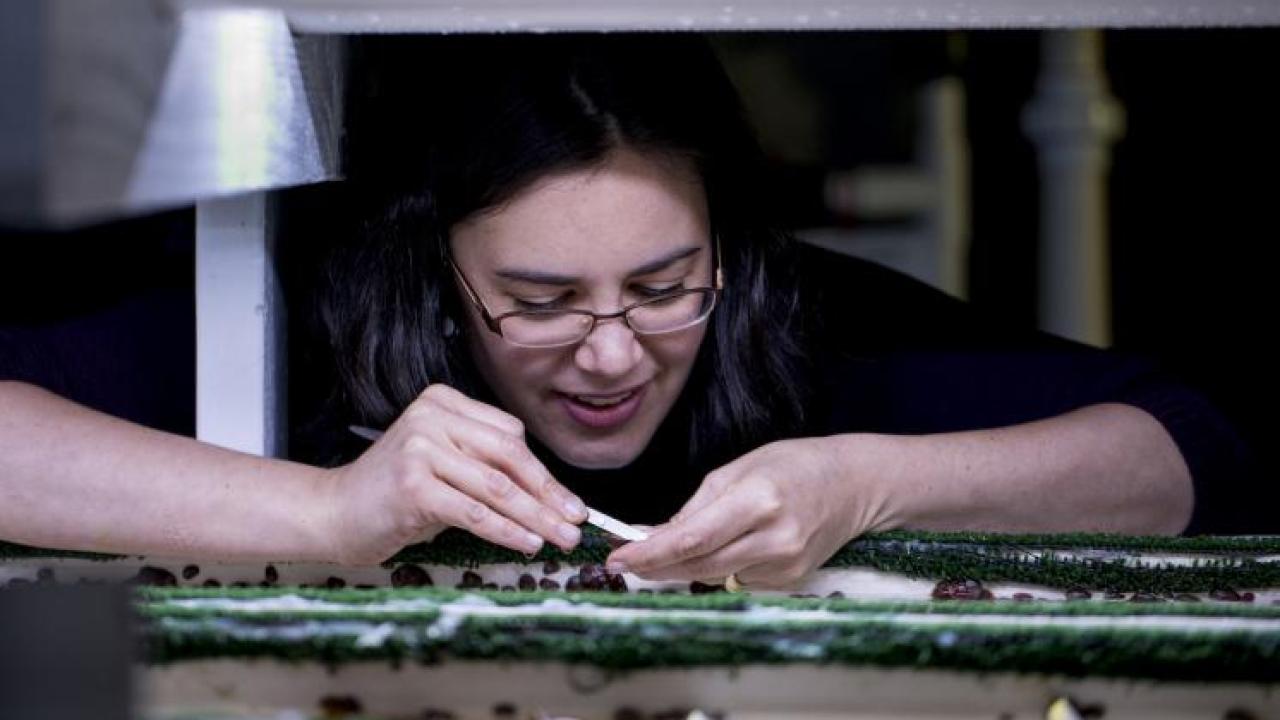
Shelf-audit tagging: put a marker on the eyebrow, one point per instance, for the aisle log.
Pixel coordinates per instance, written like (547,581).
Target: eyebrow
(544,278)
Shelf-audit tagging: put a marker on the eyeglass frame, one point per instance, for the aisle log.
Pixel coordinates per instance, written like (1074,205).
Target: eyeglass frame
(494,323)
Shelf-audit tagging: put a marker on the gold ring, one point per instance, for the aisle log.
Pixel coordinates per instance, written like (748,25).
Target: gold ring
(733,584)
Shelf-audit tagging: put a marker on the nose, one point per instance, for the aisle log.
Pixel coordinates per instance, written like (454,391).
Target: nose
(611,350)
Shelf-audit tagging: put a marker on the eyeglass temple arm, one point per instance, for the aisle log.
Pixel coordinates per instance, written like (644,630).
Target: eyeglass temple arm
(719,279)
(485,315)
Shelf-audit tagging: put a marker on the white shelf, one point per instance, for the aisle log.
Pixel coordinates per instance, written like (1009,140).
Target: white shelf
(421,16)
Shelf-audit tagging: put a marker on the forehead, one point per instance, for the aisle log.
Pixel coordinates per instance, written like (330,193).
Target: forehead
(623,212)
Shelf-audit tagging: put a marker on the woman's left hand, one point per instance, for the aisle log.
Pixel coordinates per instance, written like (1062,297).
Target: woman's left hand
(771,517)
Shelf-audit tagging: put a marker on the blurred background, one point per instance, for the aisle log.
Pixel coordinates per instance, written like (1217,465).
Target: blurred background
(918,149)
(1191,194)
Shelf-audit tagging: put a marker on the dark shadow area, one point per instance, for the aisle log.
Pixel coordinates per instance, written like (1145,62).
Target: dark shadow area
(105,315)
(68,652)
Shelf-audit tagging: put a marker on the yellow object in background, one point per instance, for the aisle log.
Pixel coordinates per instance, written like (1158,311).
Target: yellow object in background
(1061,709)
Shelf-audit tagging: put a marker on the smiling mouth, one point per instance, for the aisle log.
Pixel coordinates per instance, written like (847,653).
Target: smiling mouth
(602,411)
(603,400)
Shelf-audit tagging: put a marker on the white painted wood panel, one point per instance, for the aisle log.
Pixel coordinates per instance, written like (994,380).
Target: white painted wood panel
(240,323)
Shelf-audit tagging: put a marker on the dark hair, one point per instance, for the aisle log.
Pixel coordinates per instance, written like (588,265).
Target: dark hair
(445,128)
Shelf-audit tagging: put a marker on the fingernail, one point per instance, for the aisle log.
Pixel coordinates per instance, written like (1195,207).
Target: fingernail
(615,567)
(534,542)
(569,534)
(575,508)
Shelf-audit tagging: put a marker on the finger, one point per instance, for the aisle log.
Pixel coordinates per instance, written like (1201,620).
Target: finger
(701,534)
(459,403)
(774,575)
(511,455)
(713,568)
(497,491)
(759,576)
(444,504)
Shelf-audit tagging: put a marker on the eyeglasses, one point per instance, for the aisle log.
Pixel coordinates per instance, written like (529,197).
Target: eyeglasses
(666,313)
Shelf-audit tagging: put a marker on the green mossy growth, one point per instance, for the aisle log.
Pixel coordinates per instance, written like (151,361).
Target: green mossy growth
(460,549)
(683,642)
(1100,562)
(167,602)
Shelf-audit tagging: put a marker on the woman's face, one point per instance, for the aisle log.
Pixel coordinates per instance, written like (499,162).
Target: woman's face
(599,239)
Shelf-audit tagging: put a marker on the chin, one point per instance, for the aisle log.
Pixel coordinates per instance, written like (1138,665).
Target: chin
(607,456)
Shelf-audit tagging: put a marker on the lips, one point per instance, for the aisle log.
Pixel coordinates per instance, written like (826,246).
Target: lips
(602,410)
(602,401)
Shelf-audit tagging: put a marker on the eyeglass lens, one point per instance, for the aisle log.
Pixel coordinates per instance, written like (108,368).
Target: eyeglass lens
(542,329)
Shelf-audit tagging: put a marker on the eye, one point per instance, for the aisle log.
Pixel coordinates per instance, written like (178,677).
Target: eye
(656,291)
(555,303)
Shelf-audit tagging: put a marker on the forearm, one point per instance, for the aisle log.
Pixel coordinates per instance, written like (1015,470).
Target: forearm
(1104,468)
(78,479)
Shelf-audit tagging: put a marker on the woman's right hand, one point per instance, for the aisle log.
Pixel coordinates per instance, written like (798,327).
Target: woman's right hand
(447,461)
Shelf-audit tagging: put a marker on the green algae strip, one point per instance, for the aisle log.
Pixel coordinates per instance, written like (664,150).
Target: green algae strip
(459,549)
(1133,653)
(456,548)
(166,602)
(1233,544)
(1014,558)
(1051,570)
(663,643)
(1105,561)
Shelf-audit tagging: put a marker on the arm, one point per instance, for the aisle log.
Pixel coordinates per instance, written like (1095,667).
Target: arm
(78,479)
(775,514)
(904,359)
(975,441)
(1104,468)
(933,417)
(74,478)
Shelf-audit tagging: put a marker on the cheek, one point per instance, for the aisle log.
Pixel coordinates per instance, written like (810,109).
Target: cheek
(512,373)
(490,355)
(677,352)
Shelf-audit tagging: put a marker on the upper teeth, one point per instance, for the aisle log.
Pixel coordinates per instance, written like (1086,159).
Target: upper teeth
(600,401)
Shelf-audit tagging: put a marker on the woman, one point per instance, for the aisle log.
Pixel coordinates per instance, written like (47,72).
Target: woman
(571,290)
(604,271)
